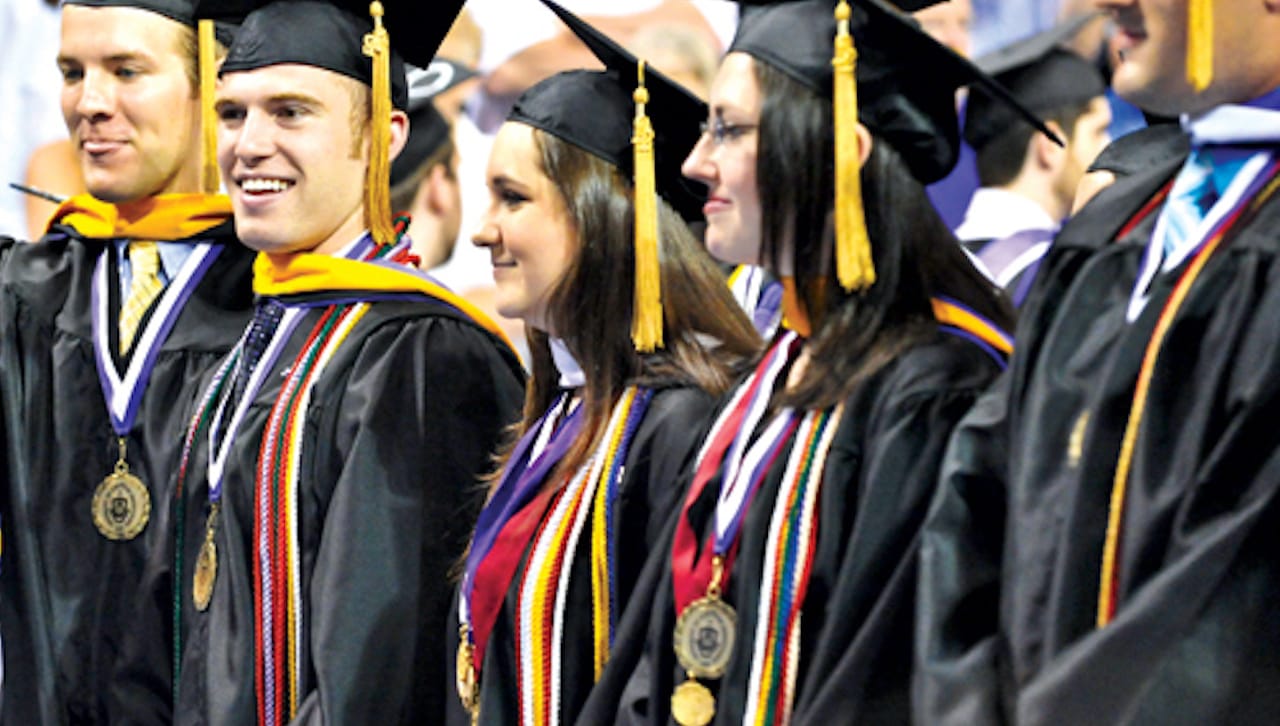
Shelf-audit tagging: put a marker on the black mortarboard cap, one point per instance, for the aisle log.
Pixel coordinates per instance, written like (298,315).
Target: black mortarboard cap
(641,122)
(182,11)
(428,129)
(906,79)
(311,33)
(1040,73)
(329,34)
(593,110)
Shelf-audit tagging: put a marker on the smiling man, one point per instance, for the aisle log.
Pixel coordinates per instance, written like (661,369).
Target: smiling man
(106,326)
(336,456)
(1103,549)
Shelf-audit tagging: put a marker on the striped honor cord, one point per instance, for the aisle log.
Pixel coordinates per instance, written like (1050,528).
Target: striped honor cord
(789,552)
(277,595)
(543,591)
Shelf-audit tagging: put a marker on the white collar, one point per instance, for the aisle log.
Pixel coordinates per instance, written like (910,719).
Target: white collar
(997,213)
(571,375)
(1233,124)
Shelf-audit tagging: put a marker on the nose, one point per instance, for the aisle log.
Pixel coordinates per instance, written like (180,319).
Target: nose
(96,97)
(487,235)
(697,165)
(252,139)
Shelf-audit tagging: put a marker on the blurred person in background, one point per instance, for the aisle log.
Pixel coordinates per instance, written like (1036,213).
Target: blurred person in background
(424,177)
(1029,180)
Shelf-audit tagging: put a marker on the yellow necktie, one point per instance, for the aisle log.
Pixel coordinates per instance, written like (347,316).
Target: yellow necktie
(144,257)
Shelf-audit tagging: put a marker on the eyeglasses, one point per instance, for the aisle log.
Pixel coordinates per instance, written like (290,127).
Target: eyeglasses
(721,132)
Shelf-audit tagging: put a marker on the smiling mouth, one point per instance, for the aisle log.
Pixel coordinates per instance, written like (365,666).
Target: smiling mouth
(97,147)
(264,186)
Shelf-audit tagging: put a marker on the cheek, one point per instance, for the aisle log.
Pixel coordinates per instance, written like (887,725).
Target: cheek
(69,99)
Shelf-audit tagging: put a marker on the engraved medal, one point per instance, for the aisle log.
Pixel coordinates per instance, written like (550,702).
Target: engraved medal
(206,566)
(704,637)
(465,675)
(121,503)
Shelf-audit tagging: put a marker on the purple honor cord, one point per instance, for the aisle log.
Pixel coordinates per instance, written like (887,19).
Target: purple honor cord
(519,484)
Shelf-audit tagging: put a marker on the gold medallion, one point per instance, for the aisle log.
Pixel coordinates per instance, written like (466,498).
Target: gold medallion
(465,676)
(121,505)
(206,573)
(704,637)
(692,704)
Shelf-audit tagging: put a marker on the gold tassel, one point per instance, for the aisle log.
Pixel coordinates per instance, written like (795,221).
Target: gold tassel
(1200,43)
(646,327)
(377,184)
(210,182)
(854,267)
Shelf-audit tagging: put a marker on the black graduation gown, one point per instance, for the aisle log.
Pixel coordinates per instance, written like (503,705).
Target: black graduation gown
(1012,557)
(400,428)
(63,586)
(857,618)
(650,489)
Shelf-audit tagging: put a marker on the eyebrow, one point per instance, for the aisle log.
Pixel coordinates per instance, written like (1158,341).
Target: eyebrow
(125,57)
(502,180)
(274,99)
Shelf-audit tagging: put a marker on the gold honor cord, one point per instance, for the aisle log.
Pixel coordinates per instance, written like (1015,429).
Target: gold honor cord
(854,267)
(646,327)
(377,185)
(1200,43)
(210,183)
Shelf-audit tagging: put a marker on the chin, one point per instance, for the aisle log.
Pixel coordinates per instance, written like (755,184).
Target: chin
(111,190)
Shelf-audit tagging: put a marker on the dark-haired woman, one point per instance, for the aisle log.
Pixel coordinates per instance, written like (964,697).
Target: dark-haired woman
(581,498)
(786,588)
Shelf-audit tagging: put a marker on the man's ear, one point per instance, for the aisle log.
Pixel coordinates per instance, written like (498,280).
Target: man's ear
(865,142)
(1047,154)
(399,132)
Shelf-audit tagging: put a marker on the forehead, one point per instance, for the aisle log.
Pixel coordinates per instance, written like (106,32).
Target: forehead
(333,90)
(101,32)
(735,86)
(515,152)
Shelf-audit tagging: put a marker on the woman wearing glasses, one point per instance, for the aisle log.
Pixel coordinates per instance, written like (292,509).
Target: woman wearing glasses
(785,590)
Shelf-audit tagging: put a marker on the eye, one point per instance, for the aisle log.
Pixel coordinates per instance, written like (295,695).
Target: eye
(72,74)
(722,132)
(127,73)
(229,114)
(511,198)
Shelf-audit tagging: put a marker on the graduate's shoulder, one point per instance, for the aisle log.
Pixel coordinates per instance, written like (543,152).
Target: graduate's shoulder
(435,332)
(943,362)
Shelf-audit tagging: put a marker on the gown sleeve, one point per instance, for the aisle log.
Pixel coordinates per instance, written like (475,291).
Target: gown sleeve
(957,614)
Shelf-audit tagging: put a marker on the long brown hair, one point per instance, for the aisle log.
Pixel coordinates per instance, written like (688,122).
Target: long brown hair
(707,336)
(916,256)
